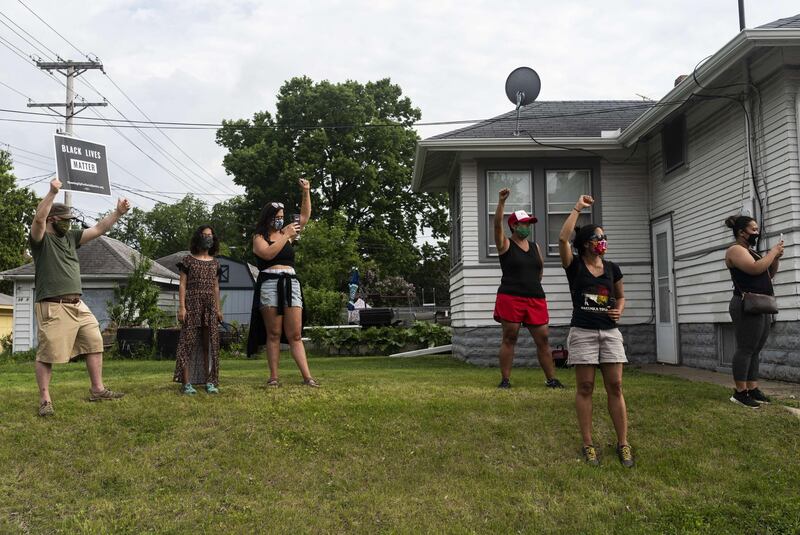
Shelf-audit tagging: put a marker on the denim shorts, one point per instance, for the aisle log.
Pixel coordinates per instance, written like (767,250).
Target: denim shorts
(269,291)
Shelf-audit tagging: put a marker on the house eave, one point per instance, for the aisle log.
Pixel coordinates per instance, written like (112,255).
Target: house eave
(734,51)
(504,144)
(110,277)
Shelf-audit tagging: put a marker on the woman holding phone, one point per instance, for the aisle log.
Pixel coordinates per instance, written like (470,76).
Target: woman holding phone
(750,273)
(278,297)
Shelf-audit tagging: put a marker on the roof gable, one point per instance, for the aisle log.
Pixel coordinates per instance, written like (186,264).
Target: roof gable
(103,256)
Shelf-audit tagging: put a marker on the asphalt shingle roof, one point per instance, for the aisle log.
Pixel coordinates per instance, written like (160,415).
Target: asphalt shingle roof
(104,256)
(6,300)
(789,22)
(577,118)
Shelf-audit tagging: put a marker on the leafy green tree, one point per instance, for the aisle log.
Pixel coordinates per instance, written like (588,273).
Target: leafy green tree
(356,144)
(433,273)
(326,252)
(17,207)
(165,229)
(136,302)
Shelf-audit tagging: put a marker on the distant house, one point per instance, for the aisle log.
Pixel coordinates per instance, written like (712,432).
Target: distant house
(665,175)
(6,314)
(236,283)
(105,264)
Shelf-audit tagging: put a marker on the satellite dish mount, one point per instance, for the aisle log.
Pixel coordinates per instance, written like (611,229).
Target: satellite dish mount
(522,88)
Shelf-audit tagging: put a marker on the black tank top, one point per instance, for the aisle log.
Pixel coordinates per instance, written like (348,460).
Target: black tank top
(285,257)
(521,272)
(757,284)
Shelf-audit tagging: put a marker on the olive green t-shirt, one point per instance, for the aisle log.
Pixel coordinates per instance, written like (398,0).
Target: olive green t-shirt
(55,258)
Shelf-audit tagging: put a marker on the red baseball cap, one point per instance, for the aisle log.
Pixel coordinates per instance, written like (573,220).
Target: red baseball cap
(520,216)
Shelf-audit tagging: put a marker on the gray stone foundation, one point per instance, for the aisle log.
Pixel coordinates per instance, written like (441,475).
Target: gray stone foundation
(479,345)
(780,359)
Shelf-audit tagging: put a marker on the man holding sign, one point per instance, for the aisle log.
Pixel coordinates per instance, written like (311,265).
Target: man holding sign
(66,326)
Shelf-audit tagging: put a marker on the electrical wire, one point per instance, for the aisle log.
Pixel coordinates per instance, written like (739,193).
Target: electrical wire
(54,30)
(31,36)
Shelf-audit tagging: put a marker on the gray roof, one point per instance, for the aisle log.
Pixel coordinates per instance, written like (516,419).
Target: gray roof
(103,256)
(547,119)
(6,300)
(789,22)
(171,262)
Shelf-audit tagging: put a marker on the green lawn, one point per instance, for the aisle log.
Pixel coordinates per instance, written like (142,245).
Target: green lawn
(387,445)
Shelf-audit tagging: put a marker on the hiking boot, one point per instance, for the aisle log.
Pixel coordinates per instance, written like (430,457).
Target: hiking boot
(188,389)
(311,382)
(553,383)
(104,395)
(211,389)
(758,396)
(590,455)
(505,383)
(743,398)
(625,455)
(46,409)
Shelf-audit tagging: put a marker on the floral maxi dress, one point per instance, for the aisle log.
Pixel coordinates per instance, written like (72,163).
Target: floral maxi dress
(201,312)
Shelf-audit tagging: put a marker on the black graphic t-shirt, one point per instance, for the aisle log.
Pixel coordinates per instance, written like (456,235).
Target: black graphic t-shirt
(592,296)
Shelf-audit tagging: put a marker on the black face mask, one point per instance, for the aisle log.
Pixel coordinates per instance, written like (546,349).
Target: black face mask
(752,239)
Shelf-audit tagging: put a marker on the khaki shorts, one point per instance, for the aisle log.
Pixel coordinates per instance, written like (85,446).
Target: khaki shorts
(66,331)
(595,346)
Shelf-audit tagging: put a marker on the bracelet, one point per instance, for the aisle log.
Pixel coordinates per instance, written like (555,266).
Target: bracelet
(576,209)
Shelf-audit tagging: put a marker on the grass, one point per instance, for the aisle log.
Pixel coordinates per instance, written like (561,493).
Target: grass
(387,445)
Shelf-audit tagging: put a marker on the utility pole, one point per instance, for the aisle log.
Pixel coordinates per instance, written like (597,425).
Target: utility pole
(71,70)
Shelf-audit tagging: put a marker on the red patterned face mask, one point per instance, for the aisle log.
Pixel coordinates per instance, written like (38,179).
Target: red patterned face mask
(600,247)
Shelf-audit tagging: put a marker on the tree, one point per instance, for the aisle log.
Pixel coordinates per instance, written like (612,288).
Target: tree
(165,229)
(17,208)
(356,144)
(326,252)
(136,302)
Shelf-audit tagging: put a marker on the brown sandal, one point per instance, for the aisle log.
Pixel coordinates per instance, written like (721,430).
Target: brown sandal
(106,394)
(46,409)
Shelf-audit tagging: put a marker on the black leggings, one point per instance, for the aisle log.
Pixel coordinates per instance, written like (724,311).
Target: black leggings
(751,335)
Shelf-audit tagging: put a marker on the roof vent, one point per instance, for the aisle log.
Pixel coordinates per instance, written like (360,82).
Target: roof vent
(610,134)
(680,79)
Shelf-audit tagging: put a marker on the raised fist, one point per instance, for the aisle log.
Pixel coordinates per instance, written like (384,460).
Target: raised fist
(504,193)
(584,201)
(55,185)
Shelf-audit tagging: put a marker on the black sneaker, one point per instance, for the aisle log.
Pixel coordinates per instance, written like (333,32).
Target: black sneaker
(590,455)
(553,383)
(758,396)
(625,455)
(743,398)
(505,383)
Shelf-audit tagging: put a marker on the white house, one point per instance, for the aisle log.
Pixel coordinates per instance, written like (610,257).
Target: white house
(105,264)
(665,175)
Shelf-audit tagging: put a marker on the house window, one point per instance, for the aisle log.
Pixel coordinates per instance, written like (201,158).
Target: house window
(673,141)
(520,198)
(224,273)
(564,186)
(455,230)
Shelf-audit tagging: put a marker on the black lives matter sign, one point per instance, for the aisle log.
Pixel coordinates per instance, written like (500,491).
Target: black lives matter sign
(82,165)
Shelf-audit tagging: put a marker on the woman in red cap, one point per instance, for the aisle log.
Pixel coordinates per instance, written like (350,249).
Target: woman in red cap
(520,297)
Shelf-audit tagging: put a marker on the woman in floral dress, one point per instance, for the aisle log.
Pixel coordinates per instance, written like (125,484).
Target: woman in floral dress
(200,313)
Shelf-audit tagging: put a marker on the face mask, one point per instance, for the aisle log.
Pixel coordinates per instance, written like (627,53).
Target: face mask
(61,227)
(207,242)
(600,247)
(278,223)
(522,232)
(752,239)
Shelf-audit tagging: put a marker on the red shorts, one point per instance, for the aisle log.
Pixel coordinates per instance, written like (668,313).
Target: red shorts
(525,310)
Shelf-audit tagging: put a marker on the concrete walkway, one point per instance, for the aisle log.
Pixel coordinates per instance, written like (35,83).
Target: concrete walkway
(774,389)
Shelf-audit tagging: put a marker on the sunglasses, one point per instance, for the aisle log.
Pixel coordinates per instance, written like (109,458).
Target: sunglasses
(277,204)
(597,237)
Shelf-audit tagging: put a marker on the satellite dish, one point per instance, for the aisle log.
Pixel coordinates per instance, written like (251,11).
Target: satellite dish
(522,88)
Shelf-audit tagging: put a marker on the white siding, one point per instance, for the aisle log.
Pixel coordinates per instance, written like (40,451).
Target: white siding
(23,316)
(710,188)
(625,218)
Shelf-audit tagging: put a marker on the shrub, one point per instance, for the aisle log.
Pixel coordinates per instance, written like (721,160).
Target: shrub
(136,302)
(323,307)
(379,340)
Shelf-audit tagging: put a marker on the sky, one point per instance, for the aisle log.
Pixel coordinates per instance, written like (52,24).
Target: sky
(208,60)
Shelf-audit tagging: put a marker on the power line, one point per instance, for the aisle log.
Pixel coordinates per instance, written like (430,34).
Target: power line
(54,30)
(31,36)
(39,50)
(20,93)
